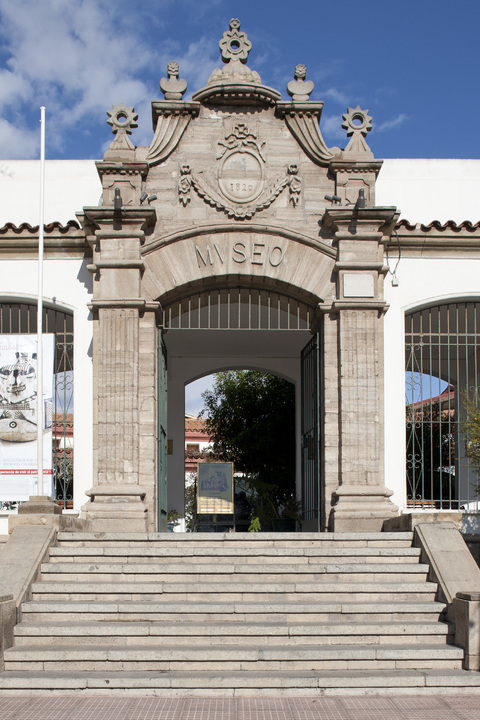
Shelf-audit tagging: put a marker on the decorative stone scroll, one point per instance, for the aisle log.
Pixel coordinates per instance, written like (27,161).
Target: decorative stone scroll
(302,120)
(188,181)
(172,121)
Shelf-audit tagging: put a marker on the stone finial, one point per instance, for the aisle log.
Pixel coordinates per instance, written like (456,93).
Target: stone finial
(172,86)
(357,123)
(122,120)
(300,89)
(234,45)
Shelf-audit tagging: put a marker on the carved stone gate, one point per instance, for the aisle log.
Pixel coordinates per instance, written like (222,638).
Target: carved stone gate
(236,200)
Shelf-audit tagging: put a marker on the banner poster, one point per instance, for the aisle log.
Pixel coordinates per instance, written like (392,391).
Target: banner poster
(18,416)
(215,488)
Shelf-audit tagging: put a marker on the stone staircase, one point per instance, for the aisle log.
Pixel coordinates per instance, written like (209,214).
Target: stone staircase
(234,614)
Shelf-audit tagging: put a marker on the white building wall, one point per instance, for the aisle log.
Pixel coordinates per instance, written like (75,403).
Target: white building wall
(67,281)
(423,190)
(69,186)
(426,190)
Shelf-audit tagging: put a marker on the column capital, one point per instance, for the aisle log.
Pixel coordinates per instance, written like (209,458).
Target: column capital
(357,223)
(118,222)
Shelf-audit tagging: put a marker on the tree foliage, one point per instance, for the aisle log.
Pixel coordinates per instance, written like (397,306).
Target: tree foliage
(250,416)
(471,428)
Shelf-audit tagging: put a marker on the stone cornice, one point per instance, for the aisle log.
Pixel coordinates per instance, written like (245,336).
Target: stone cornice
(121,168)
(356,166)
(236,93)
(354,222)
(169,108)
(126,221)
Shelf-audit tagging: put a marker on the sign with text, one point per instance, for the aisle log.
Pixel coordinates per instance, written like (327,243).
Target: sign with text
(18,416)
(215,488)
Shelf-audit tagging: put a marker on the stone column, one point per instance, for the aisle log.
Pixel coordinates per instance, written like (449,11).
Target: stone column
(117,499)
(362,499)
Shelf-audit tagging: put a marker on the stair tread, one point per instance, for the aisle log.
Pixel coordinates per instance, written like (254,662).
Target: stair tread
(232,651)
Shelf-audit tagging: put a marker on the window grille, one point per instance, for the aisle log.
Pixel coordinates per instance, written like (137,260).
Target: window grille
(21,318)
(237,308)
(442,345)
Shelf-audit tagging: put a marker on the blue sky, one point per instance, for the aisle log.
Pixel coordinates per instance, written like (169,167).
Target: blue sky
(413,65)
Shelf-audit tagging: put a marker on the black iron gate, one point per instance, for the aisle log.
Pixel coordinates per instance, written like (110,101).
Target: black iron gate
(311,485)
(162,436)
(442,359)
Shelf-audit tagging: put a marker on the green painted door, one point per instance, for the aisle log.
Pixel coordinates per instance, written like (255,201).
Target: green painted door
(162,436)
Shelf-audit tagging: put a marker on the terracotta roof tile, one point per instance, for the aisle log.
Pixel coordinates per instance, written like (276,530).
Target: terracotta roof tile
(71,224)
(437,225)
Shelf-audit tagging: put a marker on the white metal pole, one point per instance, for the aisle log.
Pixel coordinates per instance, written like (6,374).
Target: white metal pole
(40,405)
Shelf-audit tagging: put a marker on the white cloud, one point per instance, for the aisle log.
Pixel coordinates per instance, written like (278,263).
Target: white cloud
(80,57)
(393,123)
(336,95)
(331,125)
(18,142)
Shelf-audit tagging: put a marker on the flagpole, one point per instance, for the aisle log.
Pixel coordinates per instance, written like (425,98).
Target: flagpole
(40,405)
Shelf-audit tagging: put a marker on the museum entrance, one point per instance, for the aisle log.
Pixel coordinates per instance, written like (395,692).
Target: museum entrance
(248,328)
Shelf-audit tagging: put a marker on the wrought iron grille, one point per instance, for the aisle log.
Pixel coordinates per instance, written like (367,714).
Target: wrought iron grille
(442,346)
(21,318)
(238,308)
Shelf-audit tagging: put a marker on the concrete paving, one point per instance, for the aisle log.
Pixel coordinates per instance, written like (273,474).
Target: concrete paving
(405,707)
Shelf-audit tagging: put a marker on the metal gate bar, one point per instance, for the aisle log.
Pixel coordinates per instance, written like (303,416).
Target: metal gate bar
(239,308)
(442,345)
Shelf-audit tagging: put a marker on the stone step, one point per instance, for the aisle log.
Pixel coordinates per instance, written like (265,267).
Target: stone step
(253,591)
(249,683)
(234,554)
(246,540)
(221,611)
(232,657)
(268,573)
(249,633)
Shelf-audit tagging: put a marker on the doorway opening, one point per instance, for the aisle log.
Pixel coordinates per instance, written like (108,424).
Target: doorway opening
(223,330)
(247,420)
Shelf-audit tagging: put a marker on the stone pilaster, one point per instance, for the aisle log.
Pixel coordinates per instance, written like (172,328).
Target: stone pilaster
(362,498)
(118,500)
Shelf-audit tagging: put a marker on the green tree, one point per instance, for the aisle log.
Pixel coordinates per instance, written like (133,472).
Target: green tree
(250,416)
(471,428)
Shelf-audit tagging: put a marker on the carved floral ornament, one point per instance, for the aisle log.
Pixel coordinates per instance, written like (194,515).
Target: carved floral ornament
(241,177)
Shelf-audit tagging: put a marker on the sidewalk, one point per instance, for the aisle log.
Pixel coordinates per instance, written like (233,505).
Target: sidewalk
(402,707)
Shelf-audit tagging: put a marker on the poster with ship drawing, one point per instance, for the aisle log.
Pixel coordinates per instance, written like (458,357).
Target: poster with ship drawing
(18,416)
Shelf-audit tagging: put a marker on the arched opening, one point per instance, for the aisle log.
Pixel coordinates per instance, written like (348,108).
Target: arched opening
(231,328)
(442,347)
(248,425)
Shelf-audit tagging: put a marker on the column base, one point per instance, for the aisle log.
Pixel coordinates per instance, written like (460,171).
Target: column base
(115,508)
(362,508)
